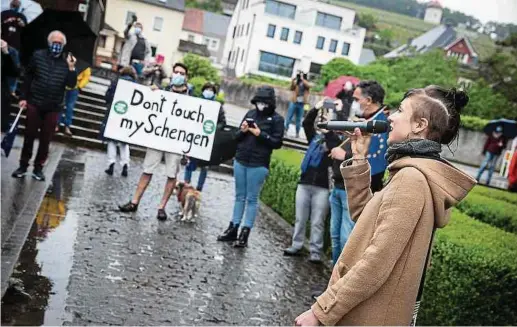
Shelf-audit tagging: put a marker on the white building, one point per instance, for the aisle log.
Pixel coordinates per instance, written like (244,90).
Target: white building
(277,39)
(433,12)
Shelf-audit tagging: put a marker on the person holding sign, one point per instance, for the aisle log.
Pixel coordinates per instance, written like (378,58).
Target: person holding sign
(209,91)
(154,157)
(262,130)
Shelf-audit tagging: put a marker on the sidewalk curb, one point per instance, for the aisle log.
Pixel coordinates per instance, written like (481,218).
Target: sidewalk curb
(13,244)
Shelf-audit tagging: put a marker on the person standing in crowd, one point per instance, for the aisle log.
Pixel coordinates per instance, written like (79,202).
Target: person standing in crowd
(368,101)
(346,97)
(127,73)
(312,192)
(71,95)
(13,23)
(208,92)
(136,50)
(154,73)
(261,131)
(9,69)
(46,76)
(300,88)
(494,145)
(153,157)
(381,269)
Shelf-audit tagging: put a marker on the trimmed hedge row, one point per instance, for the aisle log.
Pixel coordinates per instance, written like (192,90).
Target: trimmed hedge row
(491,211)
(473,274)
(496,194)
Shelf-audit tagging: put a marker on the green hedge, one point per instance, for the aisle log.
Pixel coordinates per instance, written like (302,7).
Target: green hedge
(473,276)
(473,123)
(496,194)
(491,211)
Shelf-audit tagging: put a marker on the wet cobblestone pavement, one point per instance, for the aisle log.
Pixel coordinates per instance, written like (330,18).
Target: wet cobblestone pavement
(130,269)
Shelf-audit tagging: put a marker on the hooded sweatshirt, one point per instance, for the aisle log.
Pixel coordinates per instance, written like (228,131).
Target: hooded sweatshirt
(377,276)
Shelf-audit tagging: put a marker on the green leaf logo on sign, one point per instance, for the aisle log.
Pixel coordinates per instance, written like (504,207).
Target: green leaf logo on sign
(120,107)
(209,127)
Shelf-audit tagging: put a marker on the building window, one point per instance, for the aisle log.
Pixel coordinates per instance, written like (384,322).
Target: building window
(284,35)
(158,24)
(320,43)
(275,64)
(242,56)
(248,29)
(328,21)
(271,30)
(346,49)
(280,9)
(102,41)
(206,41)
(333,46)
(214,45)
(129,17)
(297,37)
(153,50)
(229,56)
(315,69)
(191,38)
(234,29)
(236,58)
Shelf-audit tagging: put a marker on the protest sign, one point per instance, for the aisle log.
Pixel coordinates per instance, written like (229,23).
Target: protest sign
(162,120)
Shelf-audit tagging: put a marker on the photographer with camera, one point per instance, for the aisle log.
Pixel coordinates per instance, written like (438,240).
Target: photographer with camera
(154,73)
(300,96)
(136,50)
(262,131)
(312,193)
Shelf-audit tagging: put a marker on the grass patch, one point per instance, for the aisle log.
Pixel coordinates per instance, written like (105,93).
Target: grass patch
(263,80)
(496,194)
(290,157)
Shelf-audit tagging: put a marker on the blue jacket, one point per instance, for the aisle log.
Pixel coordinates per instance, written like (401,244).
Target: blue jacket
(378,147)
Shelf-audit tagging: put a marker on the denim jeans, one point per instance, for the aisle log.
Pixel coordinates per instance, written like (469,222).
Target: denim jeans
(70,100)
(488,163)
(340,223)
(311,203)
(189,169)
(139,68)
(295,108)
(248,183)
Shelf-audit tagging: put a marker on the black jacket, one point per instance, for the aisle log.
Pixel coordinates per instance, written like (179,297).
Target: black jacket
(255,151)
(337,178)
(318,176)
(45,81)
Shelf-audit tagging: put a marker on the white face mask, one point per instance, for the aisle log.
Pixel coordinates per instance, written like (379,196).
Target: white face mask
(208,94)
(261,106)
(356,108)
(138,30)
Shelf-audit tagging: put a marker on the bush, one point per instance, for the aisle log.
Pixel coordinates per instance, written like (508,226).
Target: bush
(201,67)
(496,194)
(473,123)
(473,276)
(491,211)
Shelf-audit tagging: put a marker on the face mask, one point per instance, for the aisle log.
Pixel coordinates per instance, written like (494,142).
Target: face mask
(208,94)
(56,48)
(178,79)
(261,106)
(138,30)
(356,108)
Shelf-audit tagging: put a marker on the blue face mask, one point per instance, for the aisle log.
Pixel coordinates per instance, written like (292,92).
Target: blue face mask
(208,94)
(178,80)
(56,49)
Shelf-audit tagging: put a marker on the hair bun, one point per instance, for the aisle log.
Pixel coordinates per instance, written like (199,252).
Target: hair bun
(458,98)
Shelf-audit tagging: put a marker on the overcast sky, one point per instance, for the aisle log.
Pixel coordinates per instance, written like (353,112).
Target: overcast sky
(503,11)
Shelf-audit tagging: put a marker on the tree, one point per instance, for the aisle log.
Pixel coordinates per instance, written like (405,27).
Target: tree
(208,5)
(367,21)
(386,36)
(201,67)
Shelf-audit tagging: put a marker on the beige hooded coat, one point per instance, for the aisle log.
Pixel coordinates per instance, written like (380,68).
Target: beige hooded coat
(377,276)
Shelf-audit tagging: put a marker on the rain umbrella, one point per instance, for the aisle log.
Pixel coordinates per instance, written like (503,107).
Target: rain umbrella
(8,140)
(80,38)
(509,127)
(31,9)
(335,86)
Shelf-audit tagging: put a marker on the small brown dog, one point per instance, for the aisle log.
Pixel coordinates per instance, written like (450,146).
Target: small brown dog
(189,199)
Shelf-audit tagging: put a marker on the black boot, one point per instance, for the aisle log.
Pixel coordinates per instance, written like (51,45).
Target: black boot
(109,171)
(242,242)
(230,234)
(124,171)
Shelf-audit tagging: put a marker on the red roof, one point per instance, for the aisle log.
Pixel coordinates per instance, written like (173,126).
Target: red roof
(434,4)
(193,20)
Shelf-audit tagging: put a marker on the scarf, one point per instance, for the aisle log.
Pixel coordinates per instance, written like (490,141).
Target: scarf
(314,153)
(417,148)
